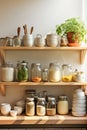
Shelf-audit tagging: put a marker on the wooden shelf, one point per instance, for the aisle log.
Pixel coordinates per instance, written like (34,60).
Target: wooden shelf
(82,50)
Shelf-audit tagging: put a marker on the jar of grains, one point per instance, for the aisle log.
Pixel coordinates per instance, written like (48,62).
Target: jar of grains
(30,106)
(54,72)
(41,107)
(51,106)
(7,72)
(62,105)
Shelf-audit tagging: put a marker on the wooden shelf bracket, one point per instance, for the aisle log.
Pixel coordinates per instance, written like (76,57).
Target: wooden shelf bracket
(82,56)
(3,89)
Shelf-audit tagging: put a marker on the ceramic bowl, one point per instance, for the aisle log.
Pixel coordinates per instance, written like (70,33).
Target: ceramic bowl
(13,113)
(77,109)
(78,114)
(19,109)
(5,108)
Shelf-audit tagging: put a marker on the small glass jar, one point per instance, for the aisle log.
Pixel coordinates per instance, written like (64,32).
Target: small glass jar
(36,72)
(23,73)
(51,106)
(41,106)
(7,72)
(30,107)
(54,72)
(45,75)
(67,73)
(62,105)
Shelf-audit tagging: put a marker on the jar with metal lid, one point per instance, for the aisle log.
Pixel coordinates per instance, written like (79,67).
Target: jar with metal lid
(54,72)
(62,105)
(36,72)
(41,106)
(67,72)
(51,106)
(7,72)
(23,73)
(30,107)
(45,74)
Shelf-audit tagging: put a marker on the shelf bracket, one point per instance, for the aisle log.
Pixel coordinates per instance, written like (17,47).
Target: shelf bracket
(84,88)
(2,56)
(3,89)
(82,56)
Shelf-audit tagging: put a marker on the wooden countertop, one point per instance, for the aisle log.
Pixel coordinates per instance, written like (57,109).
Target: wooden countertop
(43,121)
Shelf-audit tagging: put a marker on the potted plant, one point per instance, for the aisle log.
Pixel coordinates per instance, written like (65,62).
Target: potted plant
(74,29)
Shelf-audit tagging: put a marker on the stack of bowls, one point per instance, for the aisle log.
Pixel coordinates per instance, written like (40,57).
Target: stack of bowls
(79,103)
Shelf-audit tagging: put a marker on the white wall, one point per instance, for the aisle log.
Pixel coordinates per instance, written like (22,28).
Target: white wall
(44,15)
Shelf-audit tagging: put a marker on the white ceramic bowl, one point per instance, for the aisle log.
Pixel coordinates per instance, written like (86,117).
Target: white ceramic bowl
(5,108)
(79,113)
(13,113)
(79,105)
(77,109)
(19,109)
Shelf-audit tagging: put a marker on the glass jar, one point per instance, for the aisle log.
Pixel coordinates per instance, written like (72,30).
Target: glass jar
(7,72)
(30,107)
(54,72)
(51,106)
(67,73)
(62,105)
(36,72)
(22,74)
(41,106)
(45,75)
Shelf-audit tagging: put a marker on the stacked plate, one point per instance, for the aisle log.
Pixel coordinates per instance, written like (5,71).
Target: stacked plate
(79,103)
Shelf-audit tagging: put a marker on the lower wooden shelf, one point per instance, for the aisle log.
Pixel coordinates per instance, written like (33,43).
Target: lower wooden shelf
(43,121)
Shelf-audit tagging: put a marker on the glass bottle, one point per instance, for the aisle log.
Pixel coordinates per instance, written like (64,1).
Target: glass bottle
(36,72)
(54,72)
(67,73)
(51,106)
(30,106)
(62,105)
(41,107)
(22,74)
(45,75)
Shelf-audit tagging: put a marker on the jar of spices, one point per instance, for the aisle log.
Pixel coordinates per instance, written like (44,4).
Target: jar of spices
(7,72)
(22,74)
(51,106)
(54,72)
(36,72)
(62,105)
(41,106)
(30,107)
(67,73)
(45,75)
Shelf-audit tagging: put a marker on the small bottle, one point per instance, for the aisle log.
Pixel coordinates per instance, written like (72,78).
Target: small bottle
(41,107)
(62,105)
(51,106)
(30,107)
(45,75)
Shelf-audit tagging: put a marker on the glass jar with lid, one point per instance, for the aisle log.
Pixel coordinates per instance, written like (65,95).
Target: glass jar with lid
(41,106)
(51,106)
(30,106)
(54,72)
(45,74)
(23,73)
(36,72)
(7,72)
(67,72)
(62,105)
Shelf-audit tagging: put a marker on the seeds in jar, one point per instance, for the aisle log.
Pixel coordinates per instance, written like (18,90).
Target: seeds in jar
(41,110)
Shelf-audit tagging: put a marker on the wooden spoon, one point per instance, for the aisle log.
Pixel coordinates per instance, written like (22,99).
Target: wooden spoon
(18,31)
(31,30)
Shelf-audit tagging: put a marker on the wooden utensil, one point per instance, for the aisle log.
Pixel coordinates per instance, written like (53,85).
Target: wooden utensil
(31,30)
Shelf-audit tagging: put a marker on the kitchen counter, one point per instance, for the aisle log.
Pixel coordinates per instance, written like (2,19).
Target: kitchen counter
(58,121)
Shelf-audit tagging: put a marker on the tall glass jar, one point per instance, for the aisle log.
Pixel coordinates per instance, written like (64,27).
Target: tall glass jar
(62,105)
(51,106)
(54,72)
(36,72)
(41,106)
(44,74)
(23,73)
(30,107)
(7,72)
(67,73)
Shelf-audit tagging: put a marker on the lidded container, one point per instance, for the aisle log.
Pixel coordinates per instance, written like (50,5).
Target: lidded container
(51,106)
(36,72)
(23,73)
(41,106)
(45,74)
(67,72)
(54,72)
(7,72)
(62,105)
(30,106)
